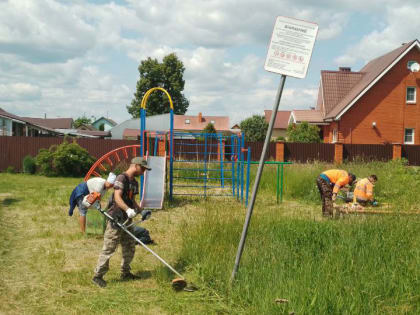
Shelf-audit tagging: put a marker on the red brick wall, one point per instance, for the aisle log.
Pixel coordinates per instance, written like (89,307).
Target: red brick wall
(385,104)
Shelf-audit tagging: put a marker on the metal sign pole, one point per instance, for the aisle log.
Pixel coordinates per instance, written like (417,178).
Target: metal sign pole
(258,177)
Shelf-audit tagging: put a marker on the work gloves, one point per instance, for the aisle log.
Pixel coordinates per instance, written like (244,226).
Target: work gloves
(145,214)
(131,213)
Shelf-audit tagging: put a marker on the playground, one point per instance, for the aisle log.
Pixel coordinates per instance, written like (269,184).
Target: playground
(294,261)
(292,253)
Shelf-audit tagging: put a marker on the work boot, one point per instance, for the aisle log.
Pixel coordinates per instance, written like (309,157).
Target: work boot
(128,276)
(99,281)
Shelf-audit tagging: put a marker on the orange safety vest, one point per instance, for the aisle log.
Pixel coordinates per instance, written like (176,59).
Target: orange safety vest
(363,190)
(339,178)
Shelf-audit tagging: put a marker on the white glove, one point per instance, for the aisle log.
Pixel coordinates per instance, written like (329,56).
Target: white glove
(131,213)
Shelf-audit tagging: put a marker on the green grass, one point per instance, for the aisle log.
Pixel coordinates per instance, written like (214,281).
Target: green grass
(351,265)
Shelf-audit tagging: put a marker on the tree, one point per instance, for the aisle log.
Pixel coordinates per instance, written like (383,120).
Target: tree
(82,121)
(254,128)
(168,75)
(303,132)
(209,128)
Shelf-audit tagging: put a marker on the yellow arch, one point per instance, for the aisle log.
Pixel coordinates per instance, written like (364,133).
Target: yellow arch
(147,94)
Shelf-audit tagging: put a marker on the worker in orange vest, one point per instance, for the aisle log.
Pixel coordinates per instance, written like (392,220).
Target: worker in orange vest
(363,193)
(329,184)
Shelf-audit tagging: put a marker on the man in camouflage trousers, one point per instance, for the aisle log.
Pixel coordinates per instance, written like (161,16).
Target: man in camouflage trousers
(123,206)
(329,183)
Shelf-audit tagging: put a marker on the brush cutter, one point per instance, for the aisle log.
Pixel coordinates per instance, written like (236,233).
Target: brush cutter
(178,284)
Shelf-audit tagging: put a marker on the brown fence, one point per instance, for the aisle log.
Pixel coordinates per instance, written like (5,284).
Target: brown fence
(256,150)
(14,149)
(367,152)
(306,152)
(411,153)
(194,149)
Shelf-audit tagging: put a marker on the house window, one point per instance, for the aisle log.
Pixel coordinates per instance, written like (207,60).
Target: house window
(411,95)
(187,121)
(335,136)
(212,122)
(409,136)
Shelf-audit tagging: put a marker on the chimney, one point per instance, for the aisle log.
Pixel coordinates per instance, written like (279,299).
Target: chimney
(45,115)
(344,69)
(200,117)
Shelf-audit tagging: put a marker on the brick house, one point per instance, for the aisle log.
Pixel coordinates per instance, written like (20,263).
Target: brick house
(376,105)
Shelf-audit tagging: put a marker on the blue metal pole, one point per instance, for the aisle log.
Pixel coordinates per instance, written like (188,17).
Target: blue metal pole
(242,167)
(142,128)
(238,161)
(205,164)
(222,180)
(232,157)
(248,175)
(171,154)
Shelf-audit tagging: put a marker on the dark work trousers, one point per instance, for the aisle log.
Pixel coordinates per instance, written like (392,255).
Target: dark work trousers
(325,191)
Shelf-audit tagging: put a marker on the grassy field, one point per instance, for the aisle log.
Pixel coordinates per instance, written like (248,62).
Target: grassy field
(351,265)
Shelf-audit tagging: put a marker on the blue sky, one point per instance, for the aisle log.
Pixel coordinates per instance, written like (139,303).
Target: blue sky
(73,58)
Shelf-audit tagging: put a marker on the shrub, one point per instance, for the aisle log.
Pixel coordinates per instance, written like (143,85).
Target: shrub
(10,169)
(29,165)
(66,159)
(44,161)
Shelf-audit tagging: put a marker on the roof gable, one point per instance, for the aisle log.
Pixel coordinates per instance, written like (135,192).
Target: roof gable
(109,120)
(336,85)
(373,72)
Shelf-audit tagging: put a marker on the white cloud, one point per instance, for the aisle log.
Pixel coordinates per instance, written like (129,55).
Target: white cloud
(43,31)
(59,57)
(19,91)
(402,25)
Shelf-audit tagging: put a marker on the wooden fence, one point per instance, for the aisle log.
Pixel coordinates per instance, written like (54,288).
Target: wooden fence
(14,149)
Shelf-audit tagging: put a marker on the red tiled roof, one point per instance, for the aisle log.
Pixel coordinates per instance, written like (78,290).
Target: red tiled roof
(336,85)
(221,123)
(282,118)
(371,72)
(54,123)
(311,116)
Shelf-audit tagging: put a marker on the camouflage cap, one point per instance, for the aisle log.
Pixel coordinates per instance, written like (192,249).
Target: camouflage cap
(141,161)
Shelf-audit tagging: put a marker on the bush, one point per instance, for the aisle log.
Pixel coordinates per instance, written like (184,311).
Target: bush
(10,169)
(29,165)
(303,132)
(280,138)
(66,159)
(44,162)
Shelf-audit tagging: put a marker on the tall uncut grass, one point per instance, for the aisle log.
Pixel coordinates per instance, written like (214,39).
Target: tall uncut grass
(354,265)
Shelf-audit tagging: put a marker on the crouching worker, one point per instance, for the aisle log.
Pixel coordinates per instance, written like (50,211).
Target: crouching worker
(363,193)
(329,184)
(122,207)
(88,194)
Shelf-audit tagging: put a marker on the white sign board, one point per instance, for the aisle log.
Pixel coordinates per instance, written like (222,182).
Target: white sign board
(291,47)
